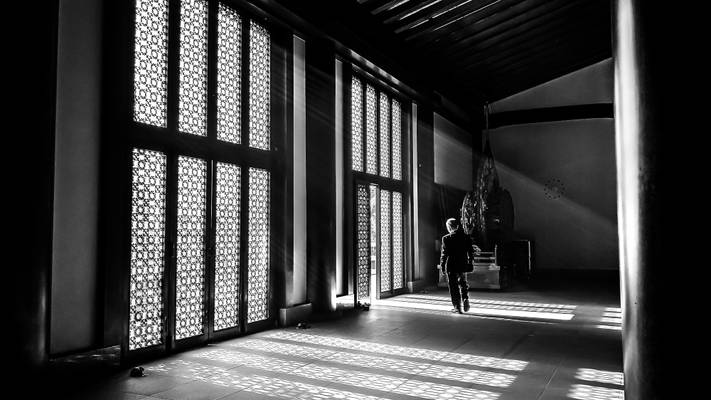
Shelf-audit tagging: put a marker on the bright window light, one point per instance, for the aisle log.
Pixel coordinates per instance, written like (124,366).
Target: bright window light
(402,351)
(587,392)
(430,370)
(596,375)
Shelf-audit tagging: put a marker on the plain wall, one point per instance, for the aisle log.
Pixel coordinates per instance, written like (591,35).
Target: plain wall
(577,230)
(452,155)
(76,177)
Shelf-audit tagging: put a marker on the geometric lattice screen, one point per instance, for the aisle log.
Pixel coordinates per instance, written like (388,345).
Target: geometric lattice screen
(259,87)
(363,241)
(190,260)
(147,249)
(371,128)
(397,234)
(397,140)
(357,124)
(192,97)
(227,245)
(150,83)
(212,98)
(229,75)
(258,245)
(385,245)
(384,135)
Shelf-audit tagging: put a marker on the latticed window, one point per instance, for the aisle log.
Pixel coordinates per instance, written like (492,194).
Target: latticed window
(377,133)
(200,223)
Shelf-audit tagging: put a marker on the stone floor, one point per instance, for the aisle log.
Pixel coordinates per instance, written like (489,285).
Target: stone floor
(524,343)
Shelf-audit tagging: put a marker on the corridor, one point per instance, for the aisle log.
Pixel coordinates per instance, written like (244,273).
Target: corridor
(518,344)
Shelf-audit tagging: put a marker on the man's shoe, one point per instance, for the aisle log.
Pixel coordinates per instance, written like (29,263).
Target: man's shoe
(456,310)
(466,305)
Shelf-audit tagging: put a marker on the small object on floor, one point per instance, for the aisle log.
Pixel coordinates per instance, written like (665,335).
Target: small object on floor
(366,306)
(136,372)
(303,325)
(466,305)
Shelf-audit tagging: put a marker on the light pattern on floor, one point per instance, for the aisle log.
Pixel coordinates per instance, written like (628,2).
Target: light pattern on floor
(263,385)
(429,370)
(410,352)
(349,377)
(587,392)
(491,310)
(596,375)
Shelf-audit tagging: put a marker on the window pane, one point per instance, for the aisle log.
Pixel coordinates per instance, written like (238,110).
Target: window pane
(150,69)
(371,126)
(192,116)
(385,253)
(363,218)
(229,75)
(147,249)
(384,135)
(357,124)
(190,262)
(259,93)
(397,241)
(258,246)
(397,140)
(227,245)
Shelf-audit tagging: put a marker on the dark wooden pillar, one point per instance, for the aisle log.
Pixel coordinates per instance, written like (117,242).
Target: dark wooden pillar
(645,126)
(31,190)
(320,175)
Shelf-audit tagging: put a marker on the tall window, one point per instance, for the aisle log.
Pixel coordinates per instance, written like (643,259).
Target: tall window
(377,144)
(200,225)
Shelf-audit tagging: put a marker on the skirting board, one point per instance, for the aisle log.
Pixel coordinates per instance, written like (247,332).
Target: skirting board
(293,315)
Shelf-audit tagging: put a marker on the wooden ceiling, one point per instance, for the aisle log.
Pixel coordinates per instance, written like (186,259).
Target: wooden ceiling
(485,50)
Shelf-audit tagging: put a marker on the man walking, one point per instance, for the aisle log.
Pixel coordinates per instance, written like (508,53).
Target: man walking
(457,254)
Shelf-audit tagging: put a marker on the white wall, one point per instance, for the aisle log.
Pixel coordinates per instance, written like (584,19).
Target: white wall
(452,155)
(579,229)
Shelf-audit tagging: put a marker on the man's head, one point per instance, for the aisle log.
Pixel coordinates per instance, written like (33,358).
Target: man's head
(452,225)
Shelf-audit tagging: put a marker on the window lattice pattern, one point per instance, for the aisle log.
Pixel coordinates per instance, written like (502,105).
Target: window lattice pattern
(147,249)
(190,262)
(229,75)
(258,246)
(150,69)
(385,253)
(192,99)
(397,140)
(371,128)
(397,241)
(363,218)
(227,246)
(384,135)
(259,93)
(357,124)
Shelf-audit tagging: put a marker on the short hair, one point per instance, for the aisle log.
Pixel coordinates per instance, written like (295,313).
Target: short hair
(452,224)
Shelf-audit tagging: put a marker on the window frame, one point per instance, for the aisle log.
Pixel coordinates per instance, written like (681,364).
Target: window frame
(121,134)
(354,178)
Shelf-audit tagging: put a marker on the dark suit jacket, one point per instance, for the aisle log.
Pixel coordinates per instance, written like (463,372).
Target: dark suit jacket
(457,251)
